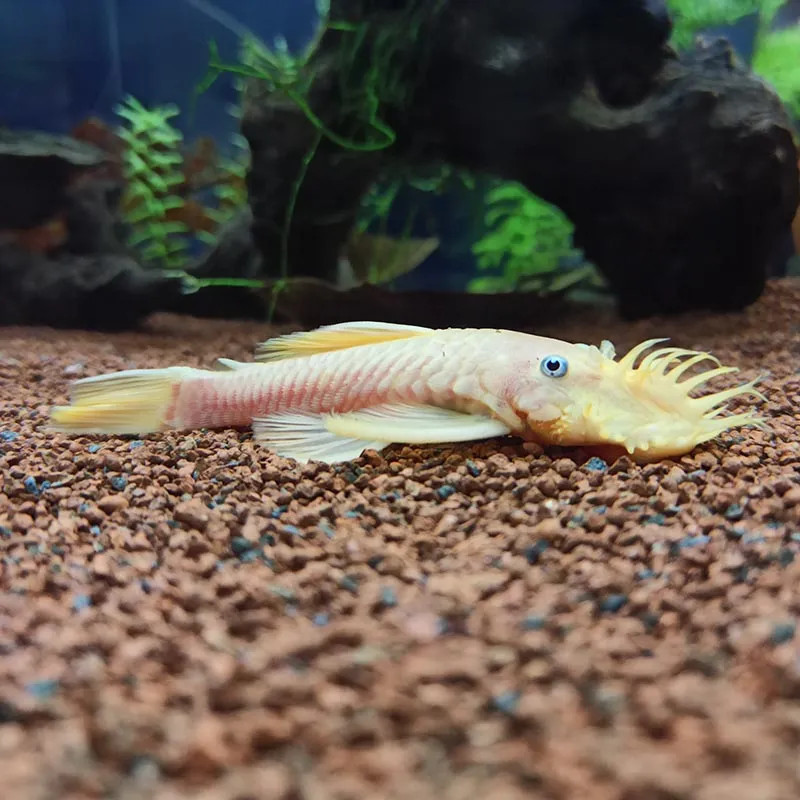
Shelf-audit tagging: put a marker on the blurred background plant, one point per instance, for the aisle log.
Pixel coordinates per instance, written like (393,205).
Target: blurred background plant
(507,238)
(771,47)
(526,241)
(151,166)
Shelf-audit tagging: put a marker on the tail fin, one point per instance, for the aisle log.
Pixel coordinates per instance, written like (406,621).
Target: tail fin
(135,401)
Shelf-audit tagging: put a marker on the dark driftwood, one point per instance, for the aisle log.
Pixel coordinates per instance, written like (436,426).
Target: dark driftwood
(313,302)
(35,171)
(679,173)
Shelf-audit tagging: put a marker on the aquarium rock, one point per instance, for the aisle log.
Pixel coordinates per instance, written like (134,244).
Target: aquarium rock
(36,169)
(678,171)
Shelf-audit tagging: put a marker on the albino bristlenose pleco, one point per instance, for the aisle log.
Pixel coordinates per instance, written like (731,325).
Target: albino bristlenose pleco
(334,392)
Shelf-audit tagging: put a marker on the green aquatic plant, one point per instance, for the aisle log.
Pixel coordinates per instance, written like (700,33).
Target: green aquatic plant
(230,189)
(776,55)
(152,164)
(689,17)
(371,74)
(777,60)
(526,241)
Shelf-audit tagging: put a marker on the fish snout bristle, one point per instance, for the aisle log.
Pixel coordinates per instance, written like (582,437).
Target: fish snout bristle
(668,414)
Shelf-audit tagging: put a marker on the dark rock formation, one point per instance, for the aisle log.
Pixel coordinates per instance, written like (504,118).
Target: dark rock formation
(36,170)
(83,276)
(679,173)
(104,291)
(56,193)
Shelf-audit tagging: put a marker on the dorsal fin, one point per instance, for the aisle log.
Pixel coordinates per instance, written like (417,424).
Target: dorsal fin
(334,337)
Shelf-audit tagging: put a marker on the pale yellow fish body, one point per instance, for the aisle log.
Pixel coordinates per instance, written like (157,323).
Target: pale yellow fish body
(332,393)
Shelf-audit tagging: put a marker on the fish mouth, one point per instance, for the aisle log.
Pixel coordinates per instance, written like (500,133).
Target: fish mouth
(653,414)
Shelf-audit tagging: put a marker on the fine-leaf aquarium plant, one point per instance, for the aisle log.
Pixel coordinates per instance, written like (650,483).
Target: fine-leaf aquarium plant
(152,161)
(366,92)
(526,238)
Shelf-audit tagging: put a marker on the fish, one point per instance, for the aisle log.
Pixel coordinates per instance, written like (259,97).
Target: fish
(332,393)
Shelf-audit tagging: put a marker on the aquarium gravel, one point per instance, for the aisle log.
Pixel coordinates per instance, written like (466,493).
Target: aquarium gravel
(186,615)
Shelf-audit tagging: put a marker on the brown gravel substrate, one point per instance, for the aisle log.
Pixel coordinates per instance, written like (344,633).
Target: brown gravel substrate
(188,616)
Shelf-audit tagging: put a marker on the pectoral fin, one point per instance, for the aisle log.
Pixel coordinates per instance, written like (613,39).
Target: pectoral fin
(304,437)
(415,424)
(344,437)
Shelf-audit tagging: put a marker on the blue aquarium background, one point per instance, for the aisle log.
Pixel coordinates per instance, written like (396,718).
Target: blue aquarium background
(62,61)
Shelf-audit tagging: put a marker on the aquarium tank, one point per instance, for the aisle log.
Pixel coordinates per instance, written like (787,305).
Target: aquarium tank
(399,400)
(325,151)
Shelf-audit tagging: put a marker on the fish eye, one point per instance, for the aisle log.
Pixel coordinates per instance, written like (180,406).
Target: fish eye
(554,366)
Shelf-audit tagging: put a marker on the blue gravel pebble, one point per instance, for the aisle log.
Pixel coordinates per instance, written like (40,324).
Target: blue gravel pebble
(283,591)
(445,491)
(136,443)
(783,632)
(506,702)
(533,552)
(694,541)
(533,622)
(119,482)
(30,485)
(240,546)
(734,512)
(649,619)
(9,436)
(349,584)
(93,448)
(292,530)
(613,603)
(644,574)
(43,690)
(596,464)
(320,619)
(473,468)
(81,601)
(388,597)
